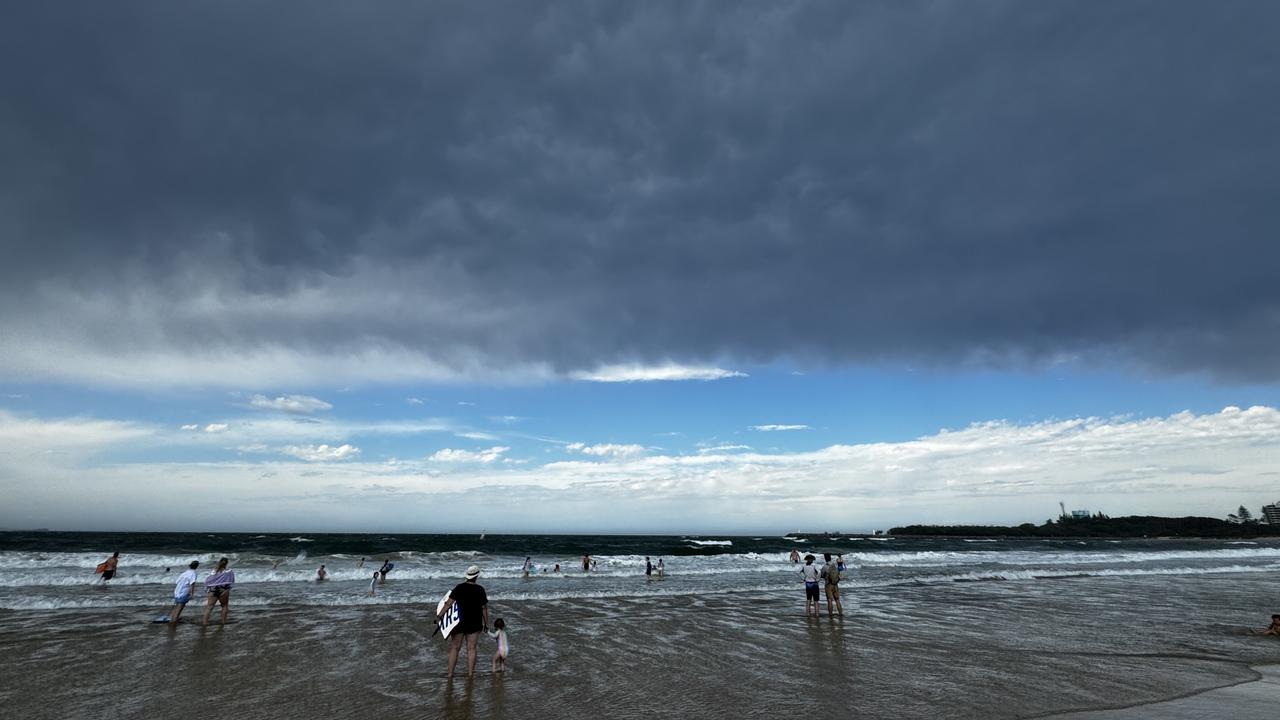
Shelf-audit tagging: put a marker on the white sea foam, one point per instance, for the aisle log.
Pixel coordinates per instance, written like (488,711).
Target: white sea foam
(710,542)
(562,588)
(22,569)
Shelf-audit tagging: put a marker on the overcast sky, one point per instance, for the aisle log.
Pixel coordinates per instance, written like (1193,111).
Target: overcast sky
(666,266)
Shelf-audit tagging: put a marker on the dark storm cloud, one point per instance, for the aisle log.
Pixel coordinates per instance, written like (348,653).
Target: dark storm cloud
(581,184)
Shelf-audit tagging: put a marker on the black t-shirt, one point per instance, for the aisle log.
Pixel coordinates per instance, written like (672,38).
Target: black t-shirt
(470,598)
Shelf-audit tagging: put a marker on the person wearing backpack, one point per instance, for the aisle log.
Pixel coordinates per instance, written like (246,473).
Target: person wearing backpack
(831,573)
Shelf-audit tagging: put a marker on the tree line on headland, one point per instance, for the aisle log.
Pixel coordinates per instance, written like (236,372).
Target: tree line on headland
(1099,525)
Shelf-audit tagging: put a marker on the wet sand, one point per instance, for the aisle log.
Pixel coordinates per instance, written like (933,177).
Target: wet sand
(1251,700)
(964,650)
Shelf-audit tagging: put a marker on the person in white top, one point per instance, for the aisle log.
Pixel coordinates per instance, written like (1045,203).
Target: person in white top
(373,585)
(182,591)
(809,572)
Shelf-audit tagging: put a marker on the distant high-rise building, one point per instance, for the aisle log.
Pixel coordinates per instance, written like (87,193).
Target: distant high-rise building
(1080,515)
(1271,514)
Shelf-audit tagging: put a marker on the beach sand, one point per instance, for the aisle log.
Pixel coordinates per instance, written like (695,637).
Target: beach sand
(1251,700)
(961,650)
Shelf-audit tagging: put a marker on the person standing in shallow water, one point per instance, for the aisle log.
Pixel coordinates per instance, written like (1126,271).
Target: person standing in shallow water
(795,556)
(182,591)
(831,573)
(473,606)
(218,590)
(648,567)
(809,573)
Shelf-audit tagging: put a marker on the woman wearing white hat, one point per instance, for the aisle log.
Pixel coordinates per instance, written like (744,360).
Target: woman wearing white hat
(473,607)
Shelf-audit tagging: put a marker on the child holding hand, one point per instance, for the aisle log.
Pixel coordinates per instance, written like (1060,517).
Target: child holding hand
(499,633)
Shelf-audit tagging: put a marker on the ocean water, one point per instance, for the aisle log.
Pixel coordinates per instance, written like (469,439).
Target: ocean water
(51,571)
(934,627)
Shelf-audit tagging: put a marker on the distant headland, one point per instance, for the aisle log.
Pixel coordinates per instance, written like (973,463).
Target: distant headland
(1134,526)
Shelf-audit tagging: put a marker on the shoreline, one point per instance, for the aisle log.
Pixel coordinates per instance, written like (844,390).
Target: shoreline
(1250,699)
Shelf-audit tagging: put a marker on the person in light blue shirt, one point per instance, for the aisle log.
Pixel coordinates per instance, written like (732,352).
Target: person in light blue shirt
(182,592)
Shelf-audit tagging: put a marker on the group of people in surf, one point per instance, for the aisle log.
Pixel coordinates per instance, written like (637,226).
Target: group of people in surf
(379,576)
(218,585)
(829,575)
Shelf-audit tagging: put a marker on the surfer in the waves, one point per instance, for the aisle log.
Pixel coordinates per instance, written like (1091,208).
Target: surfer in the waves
(473,606)
(108,567)
(382,571)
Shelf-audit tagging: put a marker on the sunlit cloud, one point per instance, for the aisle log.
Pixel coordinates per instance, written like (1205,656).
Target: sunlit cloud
(321,453)
(606,449)
(991,471)
(778,428)
(450,455)
(722,449)
(297,404)
(21,435)
(654,373)
(476,435)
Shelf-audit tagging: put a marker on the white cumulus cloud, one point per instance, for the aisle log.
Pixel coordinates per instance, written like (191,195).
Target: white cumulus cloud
(192,426)
(296,404)
(452,455)
(606,449)
(321,453)
(778,428)
(216,427)
(722,449)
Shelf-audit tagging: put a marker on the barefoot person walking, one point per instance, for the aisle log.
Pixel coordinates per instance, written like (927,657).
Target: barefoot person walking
(473,606)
